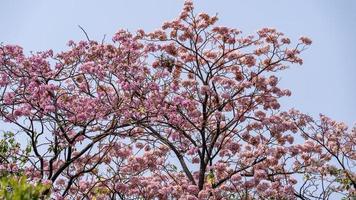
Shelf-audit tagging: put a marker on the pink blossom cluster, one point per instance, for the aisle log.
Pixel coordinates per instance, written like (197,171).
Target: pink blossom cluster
(189,111)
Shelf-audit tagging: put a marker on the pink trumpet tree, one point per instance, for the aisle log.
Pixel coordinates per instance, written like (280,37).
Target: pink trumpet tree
(190,111)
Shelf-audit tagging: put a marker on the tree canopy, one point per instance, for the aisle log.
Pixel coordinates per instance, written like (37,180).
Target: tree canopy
(190,111)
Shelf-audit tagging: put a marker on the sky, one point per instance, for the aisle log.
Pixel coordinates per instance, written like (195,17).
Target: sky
(325,83)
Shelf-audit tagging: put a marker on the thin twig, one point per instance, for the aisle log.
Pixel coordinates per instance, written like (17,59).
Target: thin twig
(86,35)
(103,40)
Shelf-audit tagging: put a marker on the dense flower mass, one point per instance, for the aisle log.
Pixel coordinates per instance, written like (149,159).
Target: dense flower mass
(189,111)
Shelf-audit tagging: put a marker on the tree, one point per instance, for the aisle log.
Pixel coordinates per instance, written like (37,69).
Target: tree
(190,111)
(17,188)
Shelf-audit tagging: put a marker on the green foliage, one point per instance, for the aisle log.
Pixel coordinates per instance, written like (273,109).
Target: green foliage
(7,142)
(17,188)
(211,177)
(11,153)
(13,185)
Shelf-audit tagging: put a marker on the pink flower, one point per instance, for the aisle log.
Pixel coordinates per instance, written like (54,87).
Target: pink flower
(249,61)
(305,40)
(204,89)
(191,197)
(263,186)
(46,182)
(260,174)
(49,108)
(121,187)
(193,189)
(195,160)
(9,97)
(83,185)
(236,177)
(203,194)
(60,181)
(285,40)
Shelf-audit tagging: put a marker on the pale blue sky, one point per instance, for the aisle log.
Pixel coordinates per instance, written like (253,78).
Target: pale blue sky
(326,83)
